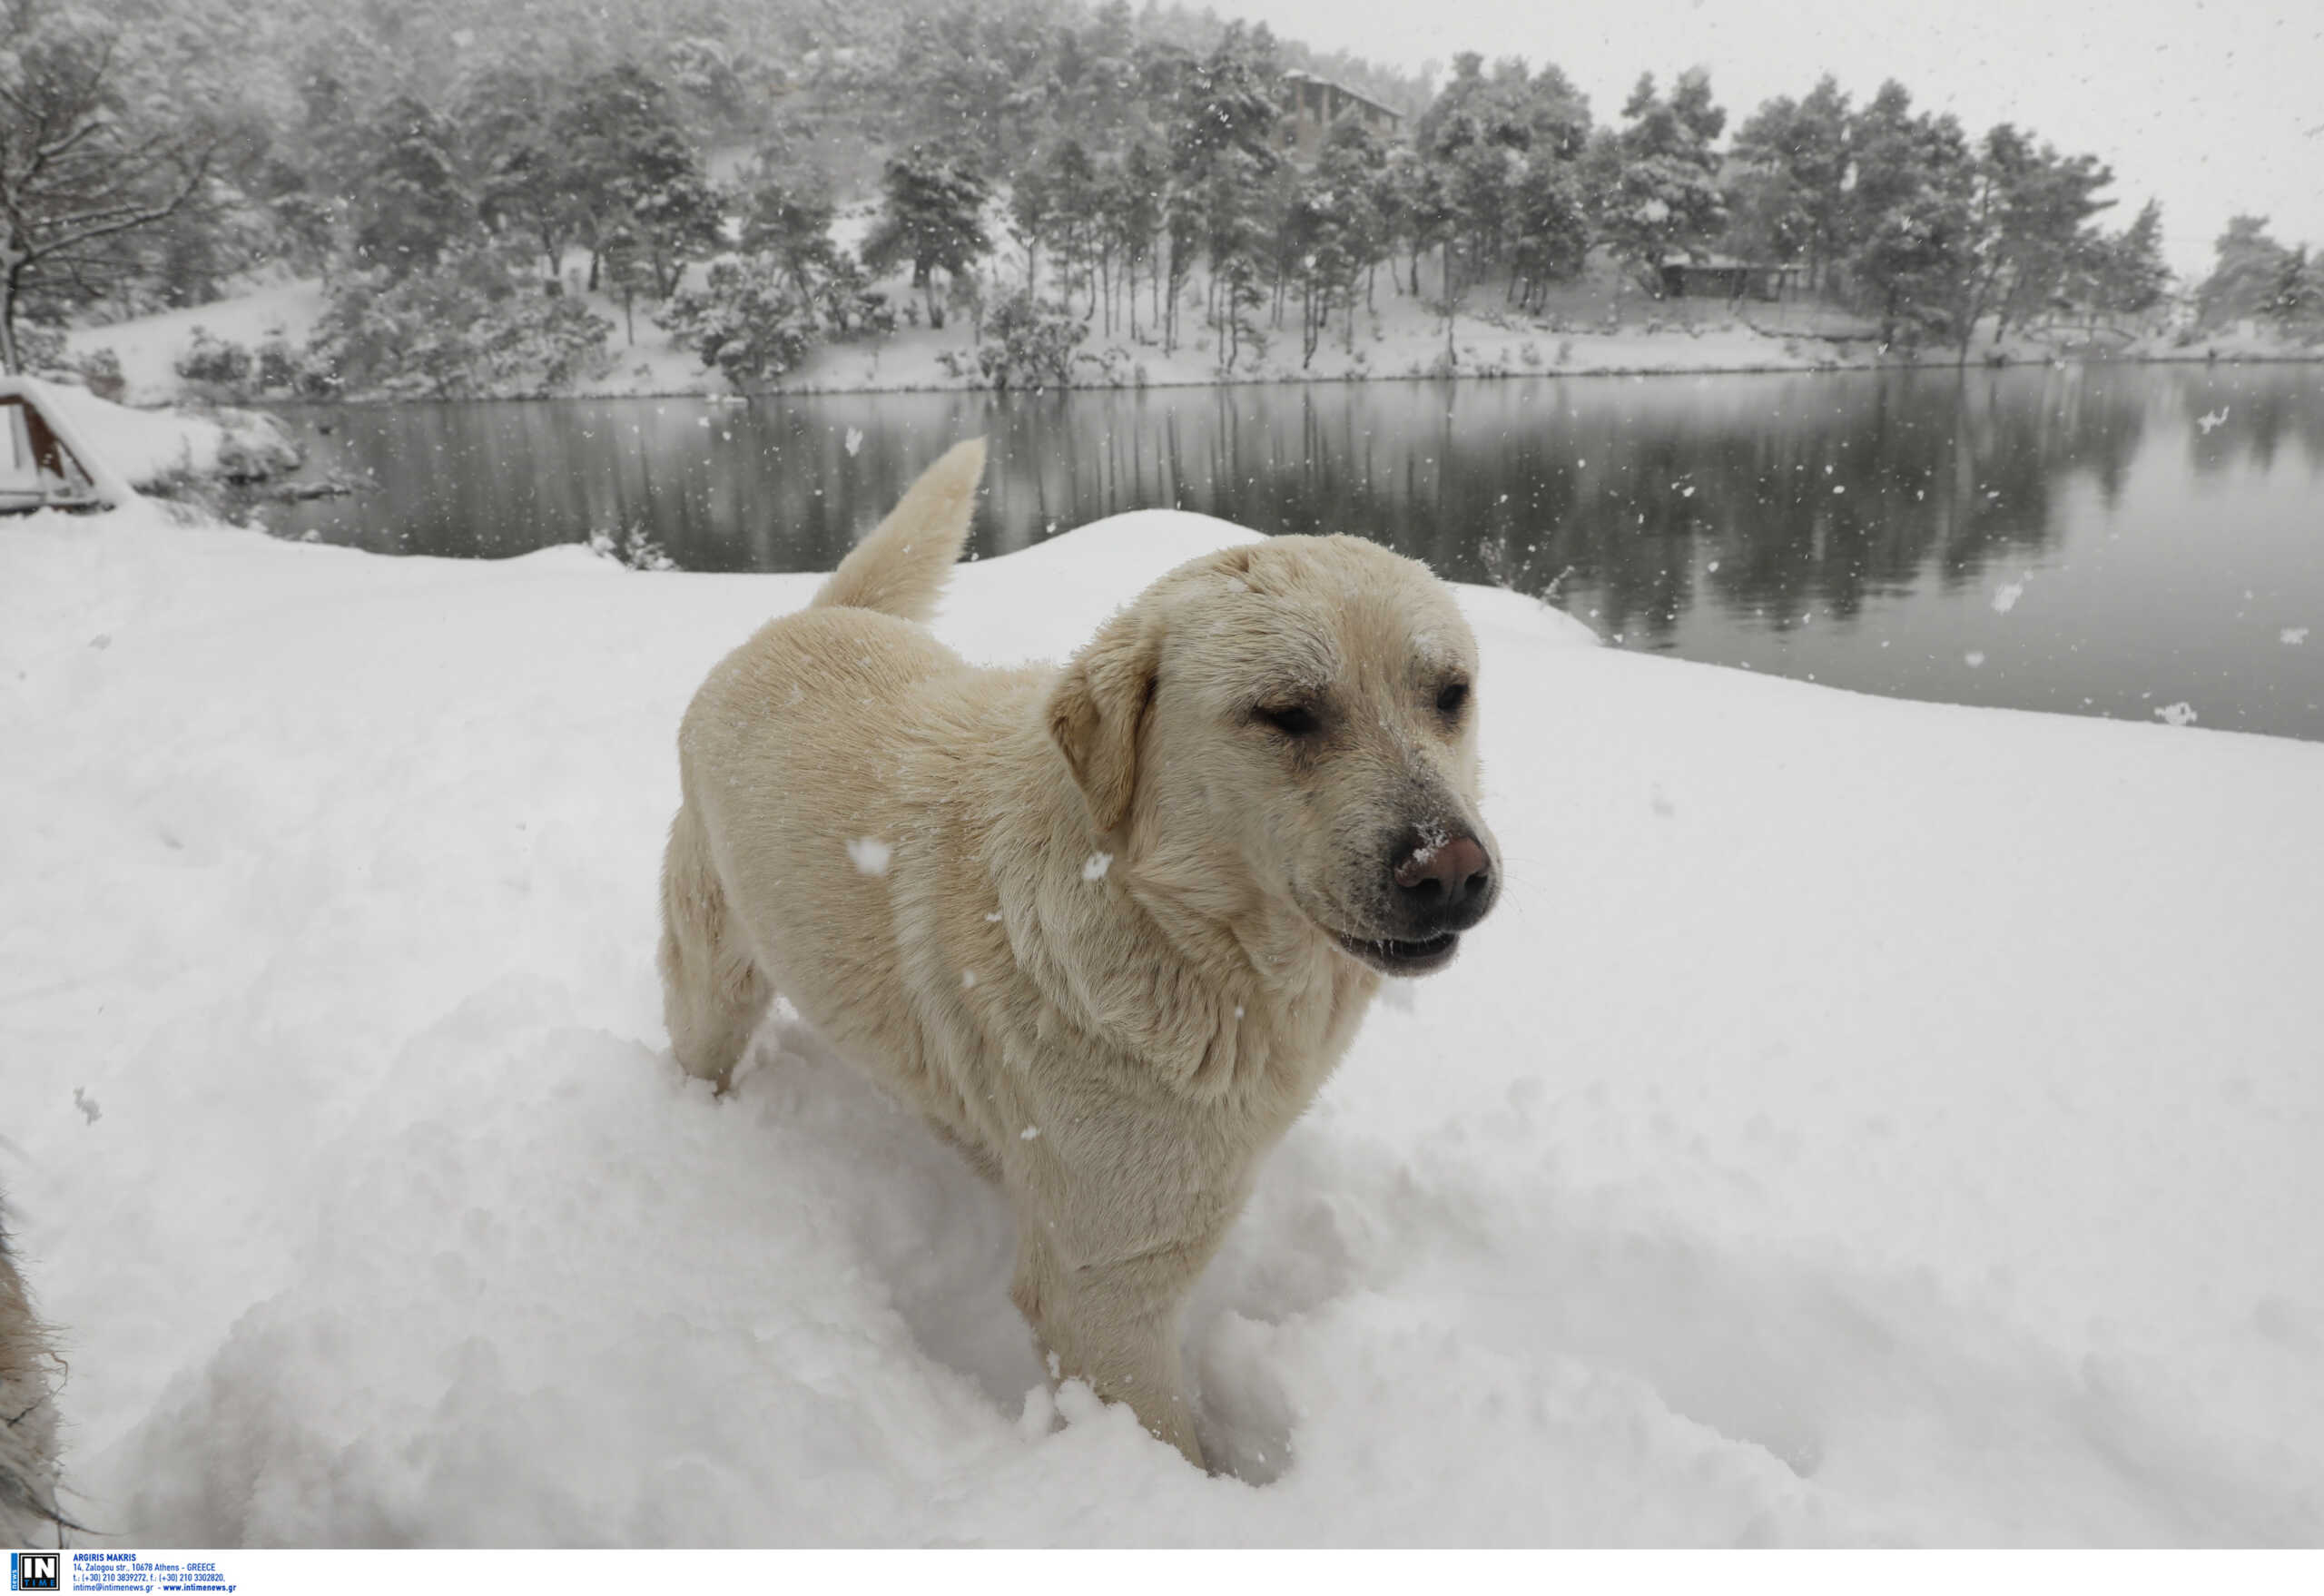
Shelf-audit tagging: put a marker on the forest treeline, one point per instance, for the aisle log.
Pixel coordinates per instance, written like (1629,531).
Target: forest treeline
(1052,174)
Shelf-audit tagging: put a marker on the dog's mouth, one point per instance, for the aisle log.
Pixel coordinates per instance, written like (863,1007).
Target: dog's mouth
(1391,957)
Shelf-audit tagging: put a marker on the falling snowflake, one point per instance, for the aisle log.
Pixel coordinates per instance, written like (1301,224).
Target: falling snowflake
(854,440)
(1029,1133)
(1095,867)
(2292,637)
(2216,419)
(1974,657)
(2181,713)
(2005,596)
(869,855)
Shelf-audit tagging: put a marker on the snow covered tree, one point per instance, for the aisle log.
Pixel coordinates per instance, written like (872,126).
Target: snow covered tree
(2248,276)
(409,209)
(525,178)
(1790,199)
(1657,193)
(1332,234)
(1910,215)
(2029,230)
(1549,224)
(931,218)
(633,167)
(81,170)
(1509,105)
(745,321)
(2136,276)
(1134,214)
(1222,155)
(2297,294)
(790,222)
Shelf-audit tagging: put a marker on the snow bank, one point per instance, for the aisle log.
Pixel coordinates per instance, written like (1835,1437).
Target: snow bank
(148,346)
(149,448)
(1862,1121)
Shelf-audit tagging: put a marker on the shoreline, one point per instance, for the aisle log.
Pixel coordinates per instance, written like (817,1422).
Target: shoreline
(1253,379)
(1401,338)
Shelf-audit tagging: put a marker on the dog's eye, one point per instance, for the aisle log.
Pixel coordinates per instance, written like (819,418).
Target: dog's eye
(1293,720)
(1452,698)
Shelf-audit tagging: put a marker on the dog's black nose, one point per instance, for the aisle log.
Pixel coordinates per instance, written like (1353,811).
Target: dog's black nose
(1433,879)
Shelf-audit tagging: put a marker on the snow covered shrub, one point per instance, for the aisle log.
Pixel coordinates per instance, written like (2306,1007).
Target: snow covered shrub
(218,363)
(99,370)
(255,447)
(278,365)
(1029,344)
(632,547)
(1110,365)
(40,349)
(746,322)
(465,330)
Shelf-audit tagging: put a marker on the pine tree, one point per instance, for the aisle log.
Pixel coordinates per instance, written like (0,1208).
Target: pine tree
(932,217)
(410,210)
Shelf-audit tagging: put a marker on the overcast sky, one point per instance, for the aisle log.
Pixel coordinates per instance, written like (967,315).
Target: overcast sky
(2213,108)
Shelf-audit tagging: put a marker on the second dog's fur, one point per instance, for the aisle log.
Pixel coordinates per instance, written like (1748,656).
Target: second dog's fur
(1109,926)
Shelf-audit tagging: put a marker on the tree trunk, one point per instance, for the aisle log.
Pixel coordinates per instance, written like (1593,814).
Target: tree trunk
(10,361)
(1452,358)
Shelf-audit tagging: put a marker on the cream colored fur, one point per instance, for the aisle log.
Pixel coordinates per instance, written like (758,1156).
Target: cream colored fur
(1083,918)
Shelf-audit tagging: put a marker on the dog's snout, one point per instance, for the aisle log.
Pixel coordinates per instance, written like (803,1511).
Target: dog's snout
(1436,878)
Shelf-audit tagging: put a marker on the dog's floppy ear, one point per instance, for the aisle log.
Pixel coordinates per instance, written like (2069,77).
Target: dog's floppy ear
(1097,707)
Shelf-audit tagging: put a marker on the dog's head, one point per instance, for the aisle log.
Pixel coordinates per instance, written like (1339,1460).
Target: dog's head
(1294,720)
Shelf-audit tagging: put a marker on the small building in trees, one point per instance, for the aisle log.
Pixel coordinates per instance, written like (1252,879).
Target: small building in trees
(1313,107)
(1723,276)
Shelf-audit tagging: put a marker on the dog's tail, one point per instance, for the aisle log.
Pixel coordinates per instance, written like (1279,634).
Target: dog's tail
(899,569)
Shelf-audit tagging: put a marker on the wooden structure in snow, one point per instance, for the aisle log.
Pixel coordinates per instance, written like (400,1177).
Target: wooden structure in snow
(1312,106)
(44,461)
(1723,276)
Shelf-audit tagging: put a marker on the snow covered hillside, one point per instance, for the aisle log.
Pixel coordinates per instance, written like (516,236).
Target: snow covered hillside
(1862,1120)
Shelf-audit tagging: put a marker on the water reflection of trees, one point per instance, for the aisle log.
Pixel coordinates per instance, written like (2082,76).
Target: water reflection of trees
(1774,495)
(1809,493)
(2257,409)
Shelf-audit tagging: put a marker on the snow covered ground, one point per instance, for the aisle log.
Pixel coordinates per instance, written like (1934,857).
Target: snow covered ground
(149,447)
(1863,1121)
(1399,336)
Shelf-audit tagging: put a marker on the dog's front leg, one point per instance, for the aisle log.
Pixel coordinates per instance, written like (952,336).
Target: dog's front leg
(1114,1323)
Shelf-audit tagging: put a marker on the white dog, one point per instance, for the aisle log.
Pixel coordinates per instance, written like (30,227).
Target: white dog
(1109,927)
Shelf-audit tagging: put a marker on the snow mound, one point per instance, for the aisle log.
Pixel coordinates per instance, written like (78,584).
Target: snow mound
(1863,1121)
(150,448)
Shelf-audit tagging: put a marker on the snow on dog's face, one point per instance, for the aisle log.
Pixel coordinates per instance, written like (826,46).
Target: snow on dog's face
(1295,721)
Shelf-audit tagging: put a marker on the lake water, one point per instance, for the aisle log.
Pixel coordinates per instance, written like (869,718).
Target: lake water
(2113,540)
